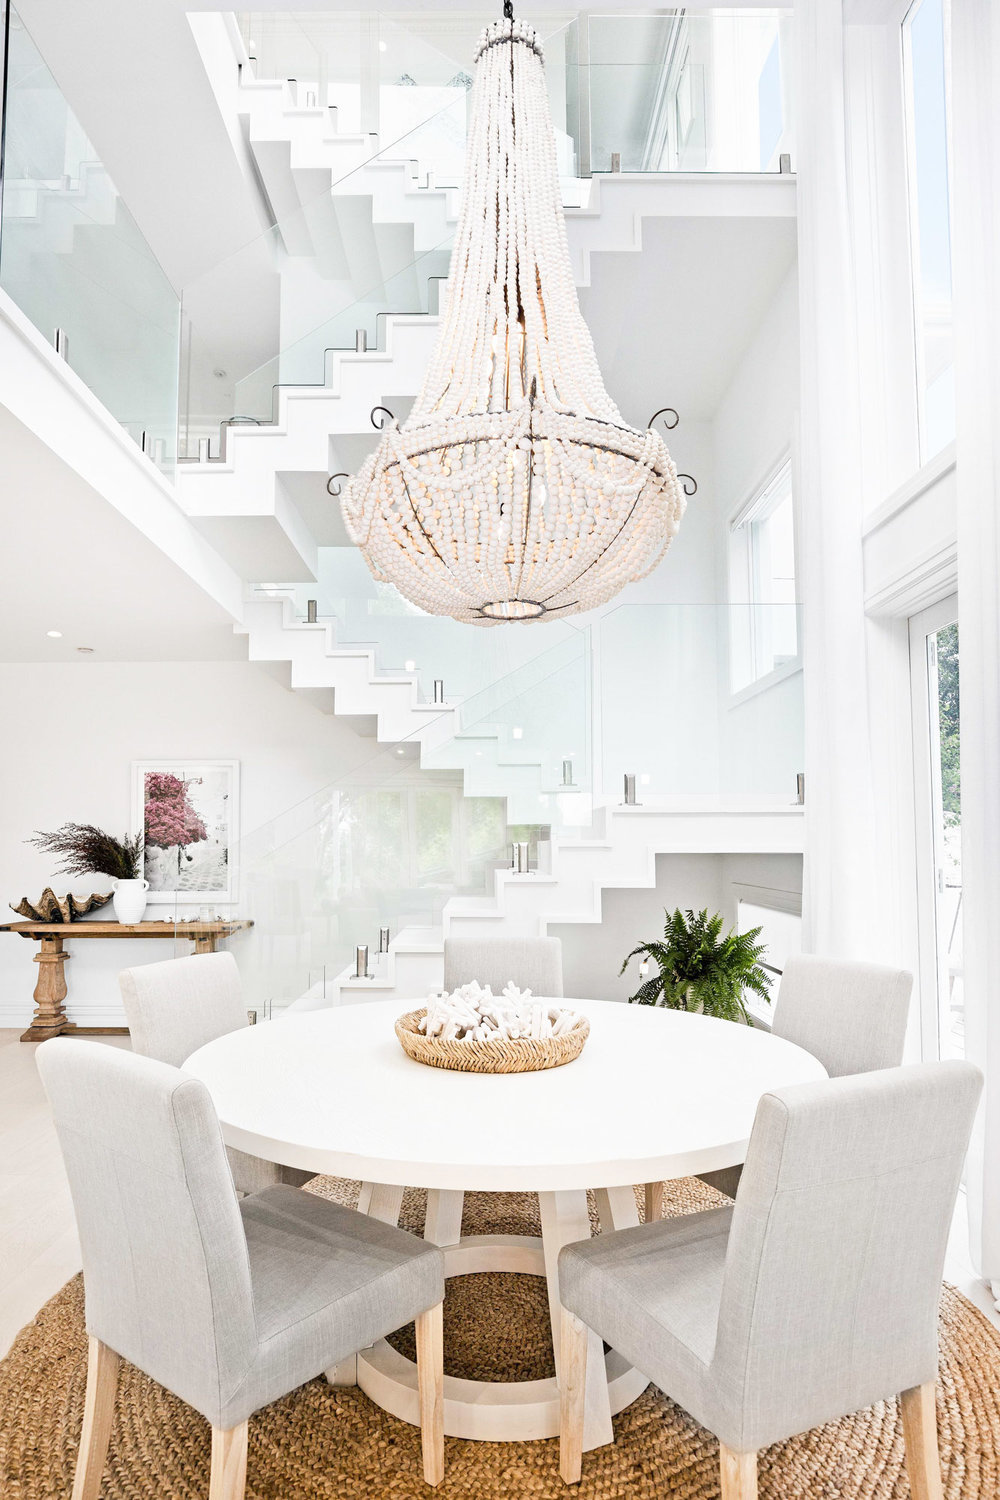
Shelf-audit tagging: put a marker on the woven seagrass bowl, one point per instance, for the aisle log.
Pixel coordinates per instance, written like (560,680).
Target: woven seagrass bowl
(502,1056)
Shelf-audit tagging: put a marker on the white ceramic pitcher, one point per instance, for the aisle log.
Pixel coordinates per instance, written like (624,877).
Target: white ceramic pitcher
(130,900)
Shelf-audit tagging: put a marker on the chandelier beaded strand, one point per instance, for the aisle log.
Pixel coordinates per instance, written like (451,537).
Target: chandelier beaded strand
(513,490)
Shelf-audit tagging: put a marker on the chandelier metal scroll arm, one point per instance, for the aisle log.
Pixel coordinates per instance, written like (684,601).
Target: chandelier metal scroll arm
(688,484)
(664,412)
(330,483)
(379,425)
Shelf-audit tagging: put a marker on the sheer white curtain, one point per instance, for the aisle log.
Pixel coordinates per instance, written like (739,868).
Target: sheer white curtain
(976,247)
(840,904)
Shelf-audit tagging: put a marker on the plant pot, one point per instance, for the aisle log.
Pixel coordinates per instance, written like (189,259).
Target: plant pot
(130,900)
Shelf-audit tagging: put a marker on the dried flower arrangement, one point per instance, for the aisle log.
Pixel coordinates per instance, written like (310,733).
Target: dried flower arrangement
(86,850)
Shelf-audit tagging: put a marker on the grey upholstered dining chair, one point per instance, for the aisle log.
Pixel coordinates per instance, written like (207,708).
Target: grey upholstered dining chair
(175,1007)
(814,1295)
(533,963)
(850,1015)
(229,1304)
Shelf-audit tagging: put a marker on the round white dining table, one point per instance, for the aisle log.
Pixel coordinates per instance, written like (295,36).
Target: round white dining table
(656,1094)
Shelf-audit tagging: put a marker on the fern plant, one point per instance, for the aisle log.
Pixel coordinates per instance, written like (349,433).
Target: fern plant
(699,969)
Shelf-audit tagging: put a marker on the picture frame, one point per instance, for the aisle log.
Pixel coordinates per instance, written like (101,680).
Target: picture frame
(188,812)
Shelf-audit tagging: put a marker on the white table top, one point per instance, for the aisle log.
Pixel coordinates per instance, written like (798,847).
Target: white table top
(655,1094)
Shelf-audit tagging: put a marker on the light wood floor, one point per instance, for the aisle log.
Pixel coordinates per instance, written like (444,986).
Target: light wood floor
(39,1250)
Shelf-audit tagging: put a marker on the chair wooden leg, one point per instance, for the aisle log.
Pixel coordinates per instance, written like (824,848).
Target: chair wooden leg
(229,1463)
(430,1386)
(923,1463)
(98,1414)
(572,1396)
(654,1201)
(738,1472)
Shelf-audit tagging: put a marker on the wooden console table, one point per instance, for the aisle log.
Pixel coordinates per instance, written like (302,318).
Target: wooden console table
(50,990)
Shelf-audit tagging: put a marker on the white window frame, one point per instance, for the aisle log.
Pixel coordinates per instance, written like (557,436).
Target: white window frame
(744,583)
(767,898)
(932,964)
(902,13)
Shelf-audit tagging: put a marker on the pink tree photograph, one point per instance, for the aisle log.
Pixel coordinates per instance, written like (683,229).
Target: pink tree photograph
(188,822)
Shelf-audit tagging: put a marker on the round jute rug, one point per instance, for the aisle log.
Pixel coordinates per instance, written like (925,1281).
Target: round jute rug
(326,1444)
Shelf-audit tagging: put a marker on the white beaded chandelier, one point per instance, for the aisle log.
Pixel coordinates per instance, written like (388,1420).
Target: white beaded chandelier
(513,490)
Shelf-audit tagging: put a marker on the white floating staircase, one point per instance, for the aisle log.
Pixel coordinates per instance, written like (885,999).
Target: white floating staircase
(323,429)
(345,680)
(246,485)
(618,853)
(249,503)
(336,197)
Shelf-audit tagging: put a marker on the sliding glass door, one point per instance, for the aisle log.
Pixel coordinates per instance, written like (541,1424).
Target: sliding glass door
(934,677)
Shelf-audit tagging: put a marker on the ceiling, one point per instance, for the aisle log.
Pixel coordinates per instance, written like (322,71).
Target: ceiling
(71,562)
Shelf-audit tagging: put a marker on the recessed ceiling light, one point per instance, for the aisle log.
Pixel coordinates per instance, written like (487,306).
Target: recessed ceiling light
(517,732)
(383,46)
(54,635)
(86,650)
(400,750)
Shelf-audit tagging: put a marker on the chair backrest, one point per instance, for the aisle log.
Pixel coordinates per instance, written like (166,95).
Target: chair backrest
(175,1007)
(165,1262)
(835,1256)
(852,1016)
(534,964)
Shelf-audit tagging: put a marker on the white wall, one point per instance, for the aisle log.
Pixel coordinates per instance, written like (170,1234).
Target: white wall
(755,420)
(592,955)
(760,734)
(72,731)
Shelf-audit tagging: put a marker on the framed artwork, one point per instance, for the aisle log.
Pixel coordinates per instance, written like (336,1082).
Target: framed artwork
(188,813)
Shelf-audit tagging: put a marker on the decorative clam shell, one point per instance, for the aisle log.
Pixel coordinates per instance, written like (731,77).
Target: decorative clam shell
(52,908)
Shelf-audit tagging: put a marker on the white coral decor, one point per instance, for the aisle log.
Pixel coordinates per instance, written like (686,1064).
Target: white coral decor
(514,489)
(474,1014)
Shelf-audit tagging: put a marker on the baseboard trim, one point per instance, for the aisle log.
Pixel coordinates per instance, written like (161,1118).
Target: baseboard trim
(110,1019)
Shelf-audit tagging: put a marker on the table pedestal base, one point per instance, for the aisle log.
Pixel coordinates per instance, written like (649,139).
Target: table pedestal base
(481,1410)
(511,1411)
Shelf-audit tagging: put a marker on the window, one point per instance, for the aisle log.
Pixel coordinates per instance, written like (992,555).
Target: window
(771,120)
(925,73)
(781,930)
(762,583)
(934,671)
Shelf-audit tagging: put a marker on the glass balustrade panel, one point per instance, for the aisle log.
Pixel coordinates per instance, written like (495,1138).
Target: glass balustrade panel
(671,711)
(384,848)
(74,261)
(374,242)
(674,92)
(377,76)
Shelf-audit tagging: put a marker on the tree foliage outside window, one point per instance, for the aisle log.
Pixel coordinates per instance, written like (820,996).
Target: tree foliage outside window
(948,711)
